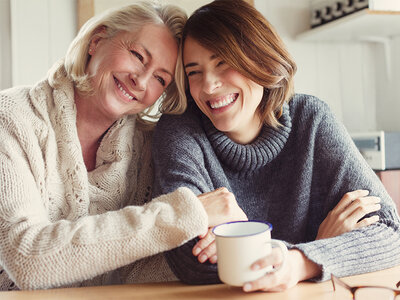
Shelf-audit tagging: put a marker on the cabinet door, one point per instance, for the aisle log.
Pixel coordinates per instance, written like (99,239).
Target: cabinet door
(391,181)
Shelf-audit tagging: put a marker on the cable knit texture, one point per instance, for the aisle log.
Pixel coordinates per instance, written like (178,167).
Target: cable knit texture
(63,226)
(291,177)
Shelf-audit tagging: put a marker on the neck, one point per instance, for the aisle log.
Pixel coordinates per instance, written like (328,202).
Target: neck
(91,128)
(247,133)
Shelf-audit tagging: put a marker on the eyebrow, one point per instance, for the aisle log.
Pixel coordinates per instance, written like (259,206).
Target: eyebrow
(193,64)
(151,57)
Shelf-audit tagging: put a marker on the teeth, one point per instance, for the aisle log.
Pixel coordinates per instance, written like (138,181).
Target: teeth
(124,92)
(224,102)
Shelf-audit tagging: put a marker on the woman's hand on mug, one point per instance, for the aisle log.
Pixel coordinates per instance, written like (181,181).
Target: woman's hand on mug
(296,268)
(221,207)
(347,214)
(205,249)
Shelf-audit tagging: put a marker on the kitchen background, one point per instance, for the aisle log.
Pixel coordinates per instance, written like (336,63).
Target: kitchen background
(359,79)
(351,63)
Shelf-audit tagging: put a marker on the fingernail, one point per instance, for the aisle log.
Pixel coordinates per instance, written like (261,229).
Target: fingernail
(247,287)
(203,258)
(213,259)
(196,251)
(256,267)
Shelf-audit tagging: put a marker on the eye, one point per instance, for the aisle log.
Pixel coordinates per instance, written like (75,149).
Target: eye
(192,73)
(161,80)
(220,63)
(138,55)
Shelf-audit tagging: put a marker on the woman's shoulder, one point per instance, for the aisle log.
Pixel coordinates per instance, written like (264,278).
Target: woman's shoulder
(187,121)
(308,108)
(12,98)
(15,104)
(308,103)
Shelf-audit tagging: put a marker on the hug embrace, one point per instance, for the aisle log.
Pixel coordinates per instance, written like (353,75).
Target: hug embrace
(92,193)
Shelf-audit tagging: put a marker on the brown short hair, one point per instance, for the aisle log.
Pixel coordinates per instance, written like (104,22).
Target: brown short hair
(245,40)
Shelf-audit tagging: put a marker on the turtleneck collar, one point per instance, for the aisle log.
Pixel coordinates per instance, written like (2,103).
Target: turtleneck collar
(250,157)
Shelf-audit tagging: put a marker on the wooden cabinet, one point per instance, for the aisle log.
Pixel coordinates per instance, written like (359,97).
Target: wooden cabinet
(391,181)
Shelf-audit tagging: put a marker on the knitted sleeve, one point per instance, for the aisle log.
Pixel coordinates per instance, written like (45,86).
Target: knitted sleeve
(38,252)
(340,168)
(178,160)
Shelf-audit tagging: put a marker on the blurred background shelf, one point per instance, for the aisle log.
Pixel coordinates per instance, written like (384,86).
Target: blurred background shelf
(358,26)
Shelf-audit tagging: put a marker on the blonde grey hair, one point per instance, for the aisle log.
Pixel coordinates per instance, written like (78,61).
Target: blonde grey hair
(129,18)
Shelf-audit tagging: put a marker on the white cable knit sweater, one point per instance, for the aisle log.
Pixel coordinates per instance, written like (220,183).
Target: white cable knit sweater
(59,224)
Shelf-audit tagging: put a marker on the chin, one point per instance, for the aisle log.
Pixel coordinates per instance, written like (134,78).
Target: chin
(226,128)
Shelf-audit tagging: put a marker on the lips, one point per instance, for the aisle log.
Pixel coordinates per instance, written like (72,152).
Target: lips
(124,90)
(223,101)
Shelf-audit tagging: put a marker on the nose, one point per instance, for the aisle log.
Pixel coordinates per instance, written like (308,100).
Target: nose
(211,83)
(139,80)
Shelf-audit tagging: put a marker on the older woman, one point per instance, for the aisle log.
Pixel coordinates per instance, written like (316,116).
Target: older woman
(284,156)
(75,158)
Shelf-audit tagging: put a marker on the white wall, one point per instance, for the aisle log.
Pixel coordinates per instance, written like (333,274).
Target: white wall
(5,45)
(341,74)
(351,77)
(41,31)
(388,100)
(188,5)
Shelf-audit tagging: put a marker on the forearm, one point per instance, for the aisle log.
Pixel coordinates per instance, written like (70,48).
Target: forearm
(364,250)
(305,268)
(188,269)
(40,254)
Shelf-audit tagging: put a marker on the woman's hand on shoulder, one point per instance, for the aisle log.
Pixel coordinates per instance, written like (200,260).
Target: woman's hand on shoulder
(347,214)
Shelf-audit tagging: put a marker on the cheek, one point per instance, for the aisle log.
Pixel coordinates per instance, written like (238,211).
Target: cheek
(194,90)
(154,91)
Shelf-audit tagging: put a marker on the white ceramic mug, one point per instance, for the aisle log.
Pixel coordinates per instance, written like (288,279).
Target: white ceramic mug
(239,245)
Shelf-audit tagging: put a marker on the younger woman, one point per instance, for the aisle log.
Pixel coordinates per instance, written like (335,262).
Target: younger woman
(284,156)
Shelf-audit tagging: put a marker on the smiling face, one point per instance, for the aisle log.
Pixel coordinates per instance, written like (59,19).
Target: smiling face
(226,97)
(130,71)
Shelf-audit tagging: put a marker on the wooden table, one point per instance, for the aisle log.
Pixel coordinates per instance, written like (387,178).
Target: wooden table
(175,290)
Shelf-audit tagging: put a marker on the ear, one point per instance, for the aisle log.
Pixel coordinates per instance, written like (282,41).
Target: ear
(98,34)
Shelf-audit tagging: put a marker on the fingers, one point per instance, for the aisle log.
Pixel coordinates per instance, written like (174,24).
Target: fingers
(364,206)
(367,221)
(269,283)
(209,253)
(349,197)
(274,259)
(205,249)
(360,207)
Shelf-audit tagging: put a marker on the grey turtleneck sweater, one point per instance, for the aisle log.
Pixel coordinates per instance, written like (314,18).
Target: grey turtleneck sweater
(291,177)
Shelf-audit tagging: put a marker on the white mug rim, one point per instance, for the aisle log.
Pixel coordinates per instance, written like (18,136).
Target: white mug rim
(269,228)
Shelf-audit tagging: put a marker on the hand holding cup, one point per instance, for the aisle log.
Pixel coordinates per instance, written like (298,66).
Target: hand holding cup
(240,245)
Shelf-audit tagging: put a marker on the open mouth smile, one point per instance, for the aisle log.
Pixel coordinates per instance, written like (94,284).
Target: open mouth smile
(221,102)
(124,91)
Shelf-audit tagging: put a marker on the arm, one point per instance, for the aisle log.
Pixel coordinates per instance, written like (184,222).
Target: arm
(338,168)
(38,250)
(39,253)
(343,169)
(349,214)
(178,161)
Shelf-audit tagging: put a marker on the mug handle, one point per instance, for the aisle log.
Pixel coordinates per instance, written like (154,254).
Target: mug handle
(281,245)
